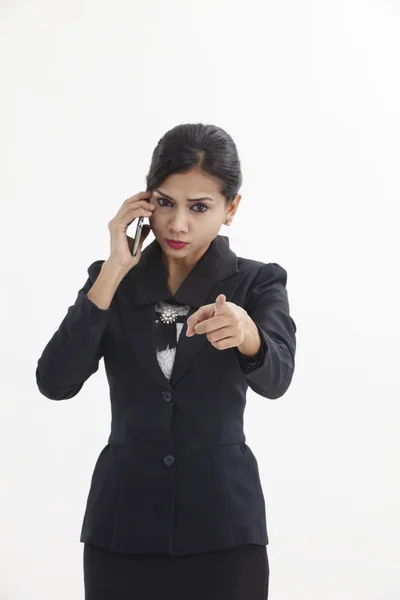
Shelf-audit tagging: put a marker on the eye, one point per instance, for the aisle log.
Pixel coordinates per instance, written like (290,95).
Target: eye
(202,206)
(160,200)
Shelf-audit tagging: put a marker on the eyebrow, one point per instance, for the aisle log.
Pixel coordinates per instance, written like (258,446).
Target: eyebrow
(188,199)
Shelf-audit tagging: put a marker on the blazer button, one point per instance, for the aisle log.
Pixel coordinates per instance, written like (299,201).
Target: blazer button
(167,396)
(169,460)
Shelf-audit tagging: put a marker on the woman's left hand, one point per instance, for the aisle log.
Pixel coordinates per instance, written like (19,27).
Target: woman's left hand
(226,325)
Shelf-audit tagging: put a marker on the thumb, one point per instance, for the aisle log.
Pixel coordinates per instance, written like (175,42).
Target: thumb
(220,304)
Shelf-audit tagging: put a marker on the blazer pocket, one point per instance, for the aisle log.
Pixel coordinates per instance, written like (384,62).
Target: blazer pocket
(242,484)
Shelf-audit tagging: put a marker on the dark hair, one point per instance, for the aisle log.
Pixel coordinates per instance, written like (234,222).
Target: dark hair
(192,145)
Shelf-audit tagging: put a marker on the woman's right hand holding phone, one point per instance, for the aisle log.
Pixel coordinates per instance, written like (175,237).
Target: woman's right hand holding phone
(121,244)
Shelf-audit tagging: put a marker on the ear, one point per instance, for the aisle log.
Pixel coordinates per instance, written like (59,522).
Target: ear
(233,206)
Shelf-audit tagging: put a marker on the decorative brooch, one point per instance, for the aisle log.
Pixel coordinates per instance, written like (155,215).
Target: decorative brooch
(169,315)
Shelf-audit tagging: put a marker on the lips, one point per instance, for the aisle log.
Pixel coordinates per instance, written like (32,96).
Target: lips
(175,244)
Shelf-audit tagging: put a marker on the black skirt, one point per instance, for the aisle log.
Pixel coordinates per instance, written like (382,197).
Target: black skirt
(240,573)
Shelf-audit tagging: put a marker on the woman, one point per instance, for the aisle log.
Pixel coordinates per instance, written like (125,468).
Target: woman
(175,507)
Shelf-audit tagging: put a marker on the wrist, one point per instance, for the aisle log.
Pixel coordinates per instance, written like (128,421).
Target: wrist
(252,342)
(114,270)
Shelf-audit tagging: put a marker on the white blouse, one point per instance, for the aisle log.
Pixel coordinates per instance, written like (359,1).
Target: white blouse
(166,357)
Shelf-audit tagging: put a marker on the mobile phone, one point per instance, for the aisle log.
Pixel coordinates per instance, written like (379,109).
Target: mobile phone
(138,233)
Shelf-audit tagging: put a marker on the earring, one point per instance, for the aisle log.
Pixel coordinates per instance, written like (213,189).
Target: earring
(227,222)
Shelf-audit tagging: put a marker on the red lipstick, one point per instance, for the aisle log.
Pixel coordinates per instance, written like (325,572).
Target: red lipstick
(176,245)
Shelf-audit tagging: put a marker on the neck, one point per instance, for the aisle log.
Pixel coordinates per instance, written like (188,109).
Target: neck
(180,268)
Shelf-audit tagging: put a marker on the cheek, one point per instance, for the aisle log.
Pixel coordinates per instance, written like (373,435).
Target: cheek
(155,219)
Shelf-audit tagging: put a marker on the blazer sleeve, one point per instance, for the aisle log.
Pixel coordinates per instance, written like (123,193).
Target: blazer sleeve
(73,353)
(270,372)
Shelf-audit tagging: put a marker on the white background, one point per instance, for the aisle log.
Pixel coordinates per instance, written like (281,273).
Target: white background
(310,93)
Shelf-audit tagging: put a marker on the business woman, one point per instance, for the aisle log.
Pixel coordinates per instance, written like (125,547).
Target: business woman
(175,508)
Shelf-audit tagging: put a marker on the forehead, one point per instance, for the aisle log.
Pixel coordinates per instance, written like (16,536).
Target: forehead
(192,184)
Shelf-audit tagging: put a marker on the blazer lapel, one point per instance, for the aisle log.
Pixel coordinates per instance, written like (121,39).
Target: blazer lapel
(139,323)
(189,347)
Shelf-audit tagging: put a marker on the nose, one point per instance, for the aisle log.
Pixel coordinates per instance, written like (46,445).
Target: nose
(179,222)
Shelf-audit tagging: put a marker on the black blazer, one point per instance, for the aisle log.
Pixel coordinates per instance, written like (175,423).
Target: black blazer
(176,475)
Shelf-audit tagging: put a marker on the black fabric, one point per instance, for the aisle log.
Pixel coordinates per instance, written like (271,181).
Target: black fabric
(165,333)
(241,573)
(176,476)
